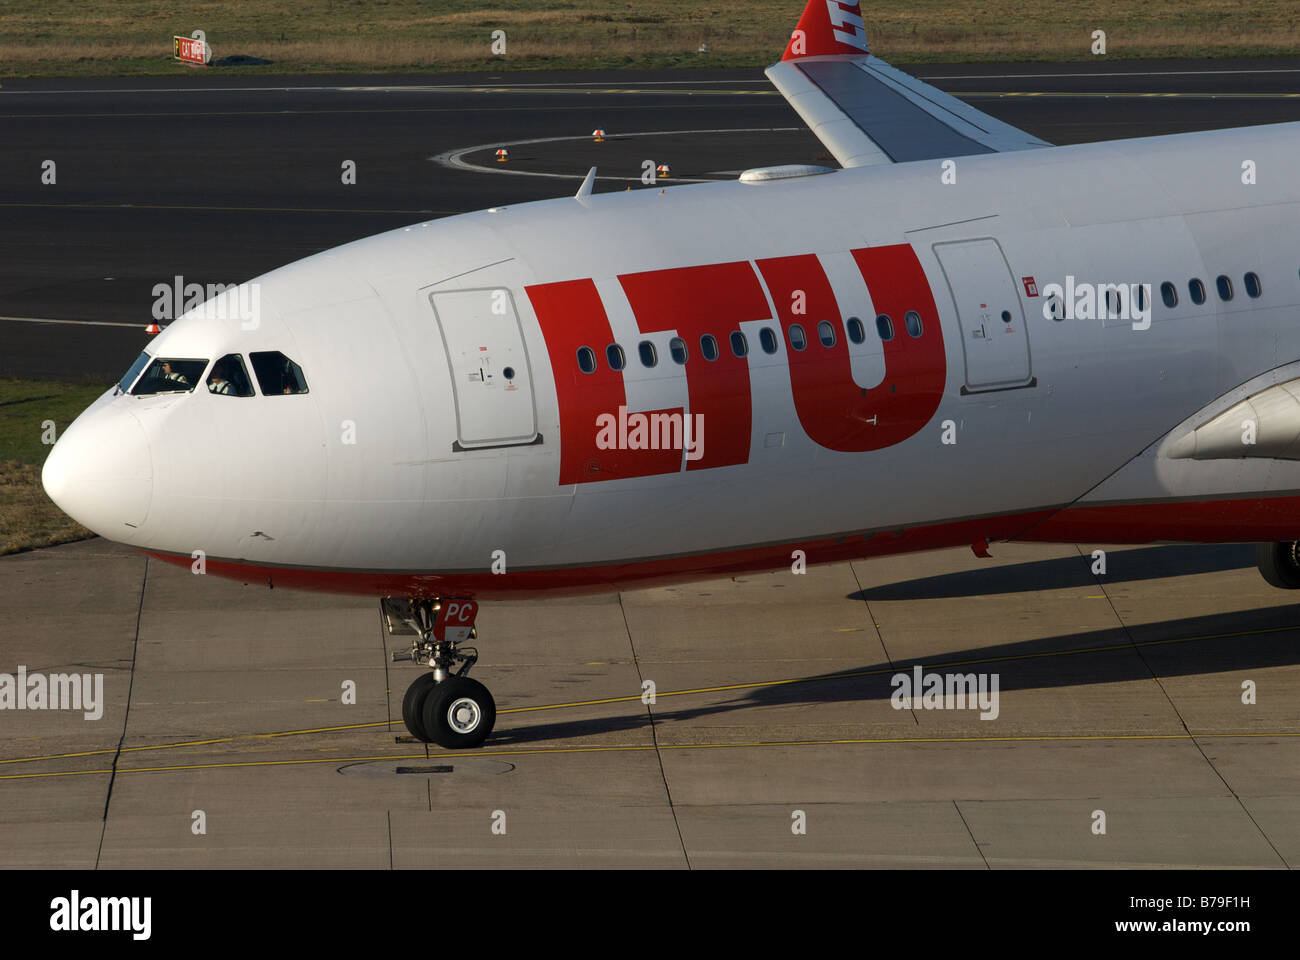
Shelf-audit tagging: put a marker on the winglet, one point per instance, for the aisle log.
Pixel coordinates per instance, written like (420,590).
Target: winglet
(828,28)
(866,112)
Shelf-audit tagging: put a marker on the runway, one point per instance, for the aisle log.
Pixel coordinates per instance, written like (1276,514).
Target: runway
(218,180)
(1120,693)
(1145,717)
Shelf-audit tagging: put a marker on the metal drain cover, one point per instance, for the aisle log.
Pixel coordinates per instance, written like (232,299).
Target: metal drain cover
(444,769)
(412,767)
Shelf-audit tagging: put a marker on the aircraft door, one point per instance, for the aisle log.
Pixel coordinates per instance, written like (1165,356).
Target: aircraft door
(995,338)
(490,374)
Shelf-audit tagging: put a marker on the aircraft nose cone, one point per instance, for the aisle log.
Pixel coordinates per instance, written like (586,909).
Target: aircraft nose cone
(100,472)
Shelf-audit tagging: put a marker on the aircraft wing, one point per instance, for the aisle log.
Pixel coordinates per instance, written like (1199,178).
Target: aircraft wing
(867,112)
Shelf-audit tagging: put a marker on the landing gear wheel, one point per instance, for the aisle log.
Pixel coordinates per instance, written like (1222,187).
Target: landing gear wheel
(1279,563)
(459,713)
(413,705)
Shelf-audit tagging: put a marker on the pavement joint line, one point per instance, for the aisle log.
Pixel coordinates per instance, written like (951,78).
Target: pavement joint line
(880,637)
(641,748)
(654,737)
(970,833)
(126,713)
(1126,647)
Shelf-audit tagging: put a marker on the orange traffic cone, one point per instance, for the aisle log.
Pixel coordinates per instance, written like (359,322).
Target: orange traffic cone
(598,135)
(153,328)
(503,155)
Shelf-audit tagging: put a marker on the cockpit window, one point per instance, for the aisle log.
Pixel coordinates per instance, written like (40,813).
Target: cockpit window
(169,375)
(141,362)
(229,378)
(277,374)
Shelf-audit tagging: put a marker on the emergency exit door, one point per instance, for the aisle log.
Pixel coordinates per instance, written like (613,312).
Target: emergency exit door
(490,375)
(994,335)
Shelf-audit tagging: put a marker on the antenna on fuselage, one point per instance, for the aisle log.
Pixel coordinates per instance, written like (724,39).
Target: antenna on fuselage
(584,191)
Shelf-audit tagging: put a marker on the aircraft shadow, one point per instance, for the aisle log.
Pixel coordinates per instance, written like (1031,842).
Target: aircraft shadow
(1208,644)
(1144,563)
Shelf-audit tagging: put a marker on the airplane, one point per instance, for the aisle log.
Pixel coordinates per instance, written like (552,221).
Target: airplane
(964,335)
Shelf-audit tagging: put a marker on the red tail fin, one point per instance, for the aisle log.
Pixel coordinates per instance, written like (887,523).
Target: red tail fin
(827,28)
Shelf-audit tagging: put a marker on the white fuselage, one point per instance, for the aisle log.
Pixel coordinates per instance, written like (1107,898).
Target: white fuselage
(371,470)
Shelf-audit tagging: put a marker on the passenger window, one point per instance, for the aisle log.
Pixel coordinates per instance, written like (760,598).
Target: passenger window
(614,357)
(649,356)
(739,345)
(229,378)
(912,320)
(856,332)
(767,340)
(586,361)
(709,347)
(277,374)
(826,334)
(1169,294)
(167,375)
(1197,291)
(677,347)
(1224,286)
(1251,280)
(798,339)
(885,327)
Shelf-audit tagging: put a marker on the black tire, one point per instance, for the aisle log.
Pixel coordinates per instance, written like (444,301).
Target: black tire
(459,713)
(413,706)
(1279,563)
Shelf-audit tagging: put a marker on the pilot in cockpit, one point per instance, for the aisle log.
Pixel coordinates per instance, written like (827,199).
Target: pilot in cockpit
(219,378)
(175,375)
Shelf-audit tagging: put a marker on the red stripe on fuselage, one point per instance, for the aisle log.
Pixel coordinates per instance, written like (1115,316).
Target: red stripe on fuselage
(1243,520)
(1214,521)
(597,578)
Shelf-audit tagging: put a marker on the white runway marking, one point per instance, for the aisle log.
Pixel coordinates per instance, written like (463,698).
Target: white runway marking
(454,158)
(1126,73)
(404,88)
(83,323)
(579,85)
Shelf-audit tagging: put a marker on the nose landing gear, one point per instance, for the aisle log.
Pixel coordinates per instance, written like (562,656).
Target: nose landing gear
(446,708)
